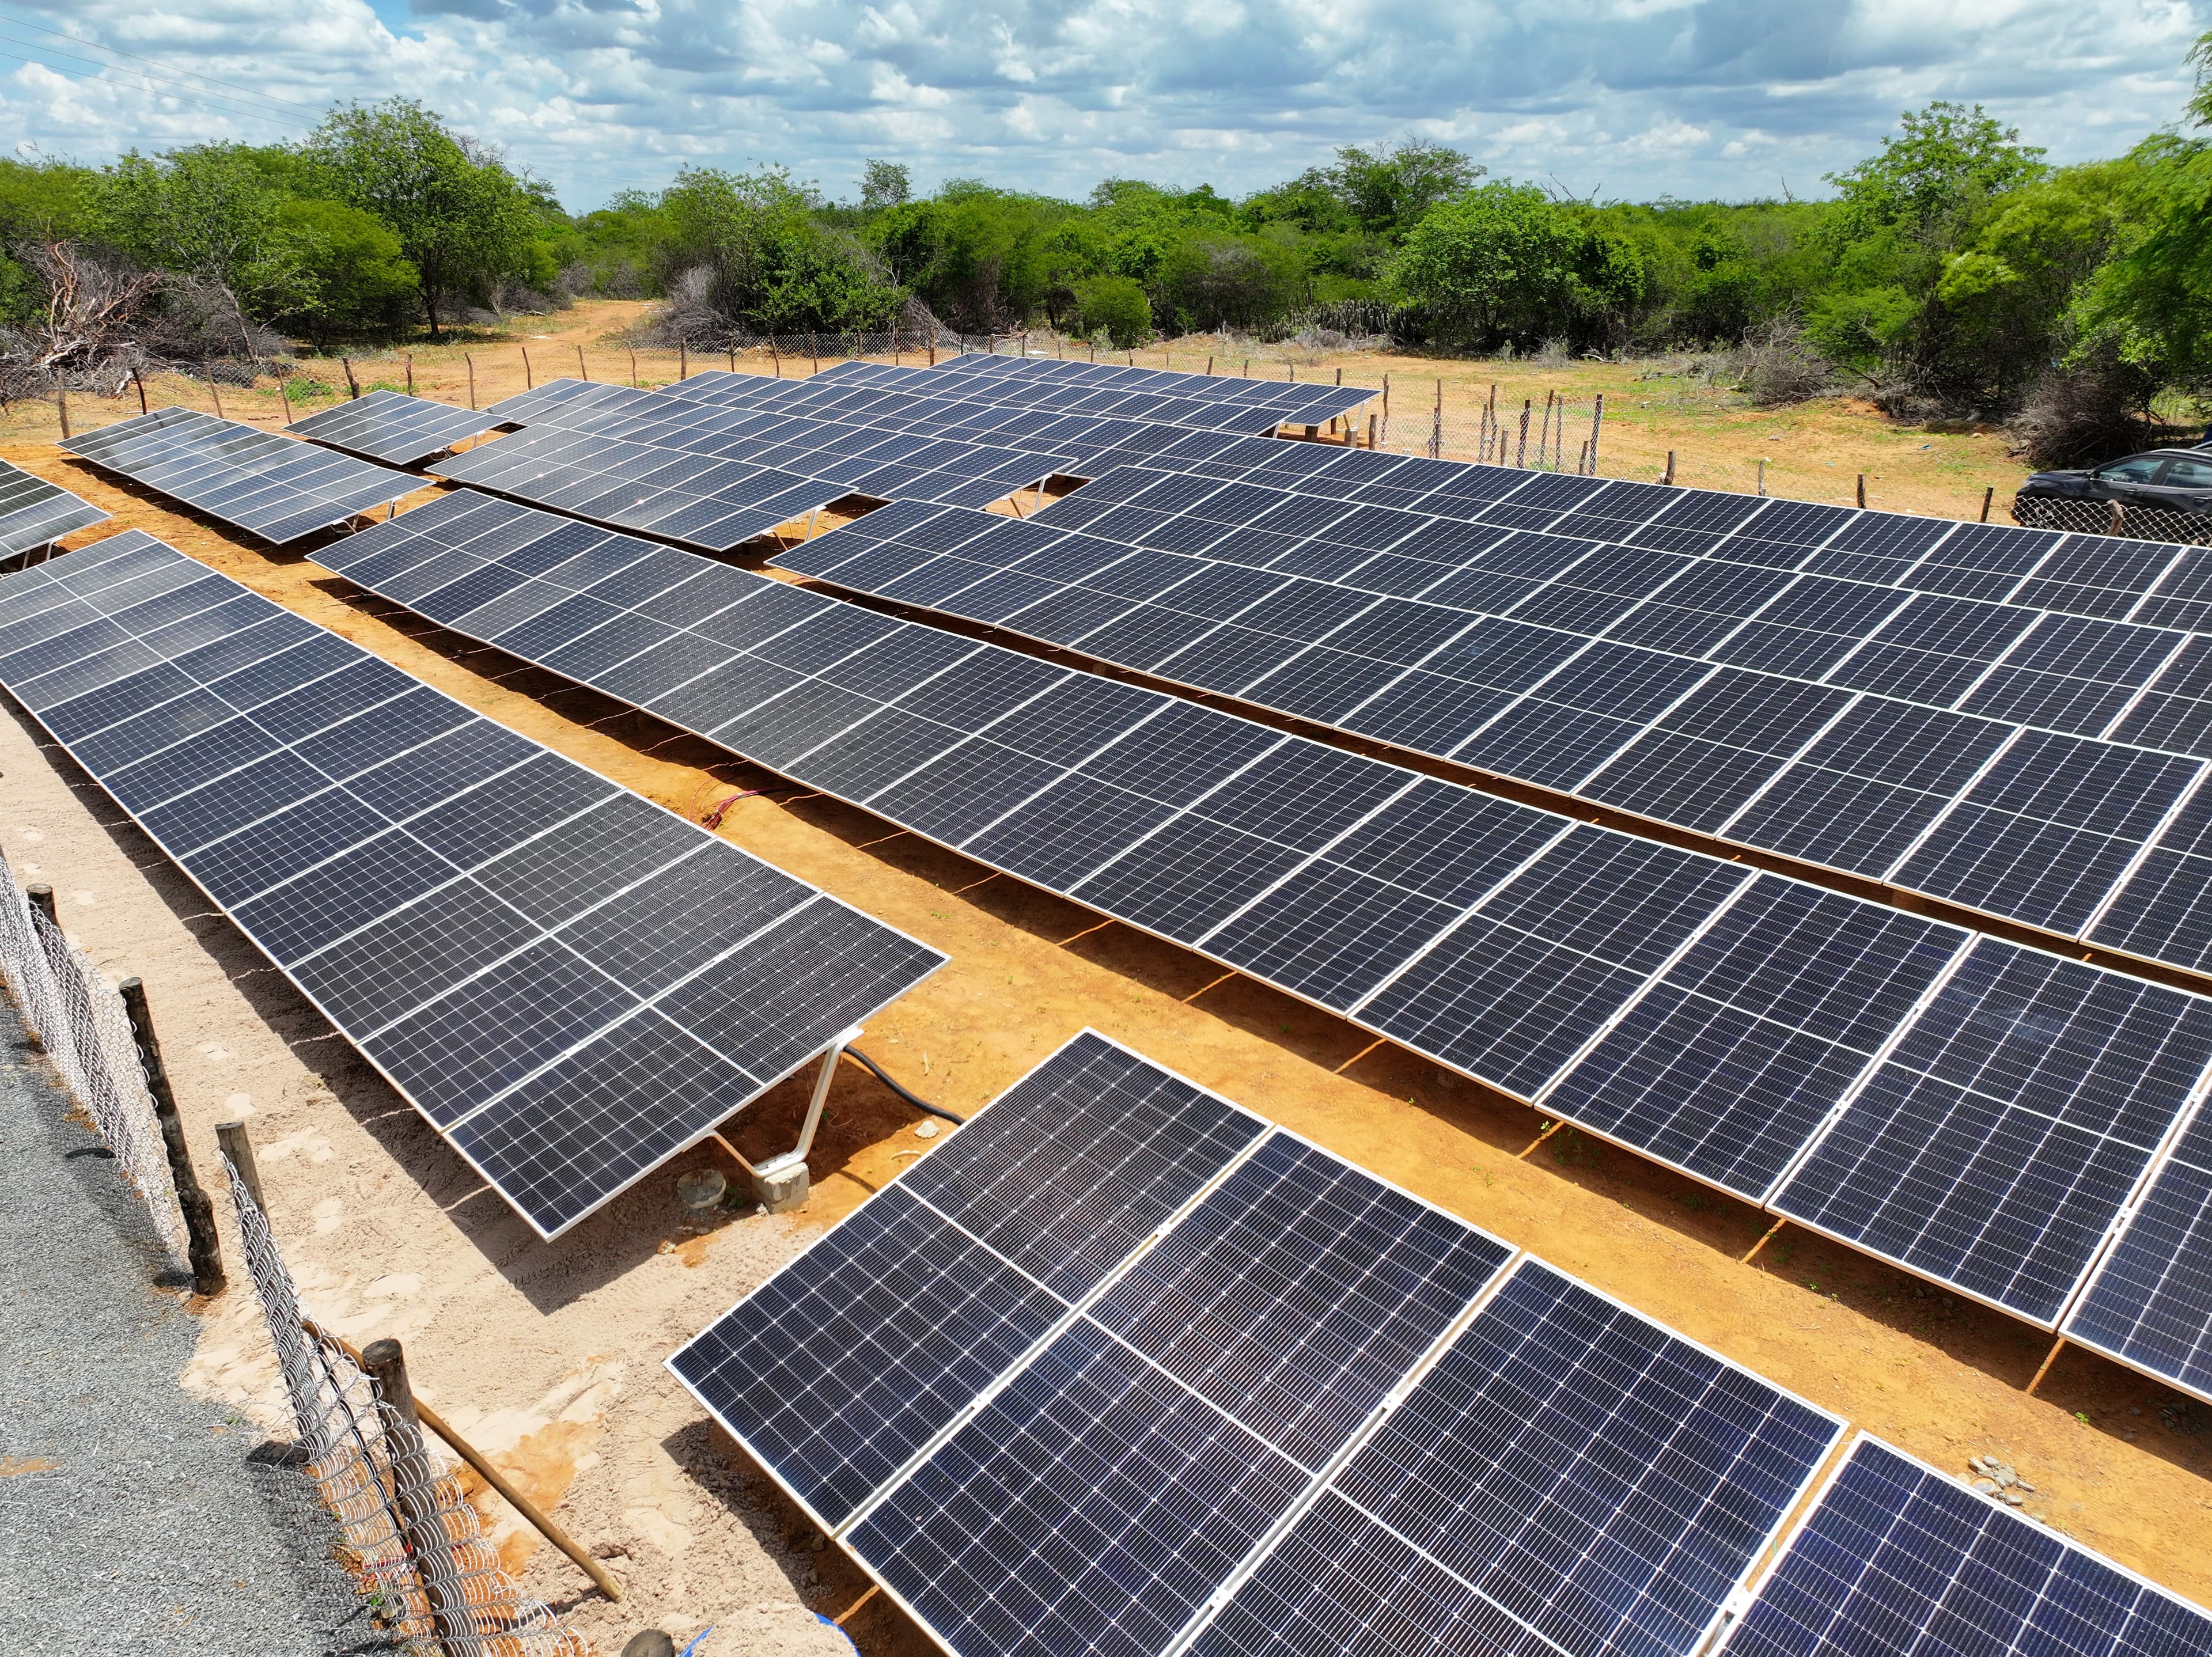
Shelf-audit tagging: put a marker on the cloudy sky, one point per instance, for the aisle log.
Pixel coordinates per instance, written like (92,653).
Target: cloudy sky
(1628,98)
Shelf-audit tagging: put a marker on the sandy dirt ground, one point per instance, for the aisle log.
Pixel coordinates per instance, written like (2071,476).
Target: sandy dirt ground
(549,1355)
(1814,451)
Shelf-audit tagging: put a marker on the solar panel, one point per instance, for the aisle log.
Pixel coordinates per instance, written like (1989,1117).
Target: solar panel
(35,514)
(272,486)
(2149,1303)
(1695,1011)
(2080,575)
(1283,1407)
(850,1359)
(571,984)
(2051,829)
(1896,1559)
(394,428)
(1569,1477)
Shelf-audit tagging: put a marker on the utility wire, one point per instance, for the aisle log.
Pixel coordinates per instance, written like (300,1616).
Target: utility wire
(220,109)
(197,94)
(117,51)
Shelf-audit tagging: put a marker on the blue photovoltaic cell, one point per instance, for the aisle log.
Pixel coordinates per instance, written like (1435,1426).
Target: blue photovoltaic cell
(1298,1293)
(847,1361)
(2150,1302)
(1569,1477)
(405,861)
(1897,1560)
(1092,1506)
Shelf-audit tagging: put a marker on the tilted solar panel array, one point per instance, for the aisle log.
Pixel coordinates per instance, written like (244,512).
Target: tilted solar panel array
(569,983)
(696,495)
(2103,577)
(1896,1560)
(1585,683)
(35,514)
(1123,391)
(277,488)
(1118,1369)
(393,426)
(1980,1111)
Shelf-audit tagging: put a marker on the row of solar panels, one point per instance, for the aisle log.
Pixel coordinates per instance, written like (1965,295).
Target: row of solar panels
(571,984)
(1986,1114)
(2108,842)
(34,513)
(2088,575)
(1119,1369)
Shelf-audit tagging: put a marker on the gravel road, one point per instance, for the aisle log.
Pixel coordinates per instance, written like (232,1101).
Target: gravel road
(134,1517)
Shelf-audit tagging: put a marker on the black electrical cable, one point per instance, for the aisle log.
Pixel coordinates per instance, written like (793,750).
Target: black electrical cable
(924,1105)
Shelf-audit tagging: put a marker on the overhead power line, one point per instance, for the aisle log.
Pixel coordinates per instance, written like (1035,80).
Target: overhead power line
(117,51)
(220,109)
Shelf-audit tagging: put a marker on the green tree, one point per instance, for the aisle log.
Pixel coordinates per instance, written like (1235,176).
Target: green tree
(885,184)
(360,276)
(209,213)
(1495,262)
(764,262)
(2150,304)
(1116,306)
(463,219)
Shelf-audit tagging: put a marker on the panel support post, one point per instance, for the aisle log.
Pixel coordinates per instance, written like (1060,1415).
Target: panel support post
(423,1529)
(2049,1358)
(206,1253)
(781,1183)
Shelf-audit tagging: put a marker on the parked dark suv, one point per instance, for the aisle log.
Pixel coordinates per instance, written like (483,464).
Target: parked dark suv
(2157,481)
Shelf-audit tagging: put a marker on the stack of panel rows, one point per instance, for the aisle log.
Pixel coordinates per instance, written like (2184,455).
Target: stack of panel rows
(1981,1112)
(2039,767)
(1119,1369)
(571,984)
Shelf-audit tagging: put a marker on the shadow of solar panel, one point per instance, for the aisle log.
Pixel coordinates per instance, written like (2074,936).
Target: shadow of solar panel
(1896,1557)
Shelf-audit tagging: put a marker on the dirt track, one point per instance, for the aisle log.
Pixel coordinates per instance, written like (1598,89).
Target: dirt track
(550,1353)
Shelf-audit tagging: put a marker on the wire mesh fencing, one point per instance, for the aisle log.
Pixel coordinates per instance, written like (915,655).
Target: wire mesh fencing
(2138,523)
(415,1545)
(80,1022)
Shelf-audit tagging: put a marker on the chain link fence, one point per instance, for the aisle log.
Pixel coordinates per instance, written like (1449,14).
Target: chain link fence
(374,1473)
(80,1022)
(2138,523)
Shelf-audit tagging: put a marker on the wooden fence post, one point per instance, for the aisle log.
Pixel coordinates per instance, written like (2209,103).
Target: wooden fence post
(423,1529)
(683,361)
(1988,494)
(61,407)
(1670,477)
(734,359)
(284,397)
(410,373)
(582,372)
(236,1145)
(206,1252)
(529,375)
(353,385)
(1597,425)
(1521,453)
(1861,488)
(141,385)
(632,371)
(472,362)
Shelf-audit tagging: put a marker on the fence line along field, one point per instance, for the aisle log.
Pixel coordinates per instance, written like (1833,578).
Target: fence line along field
(1654,408)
